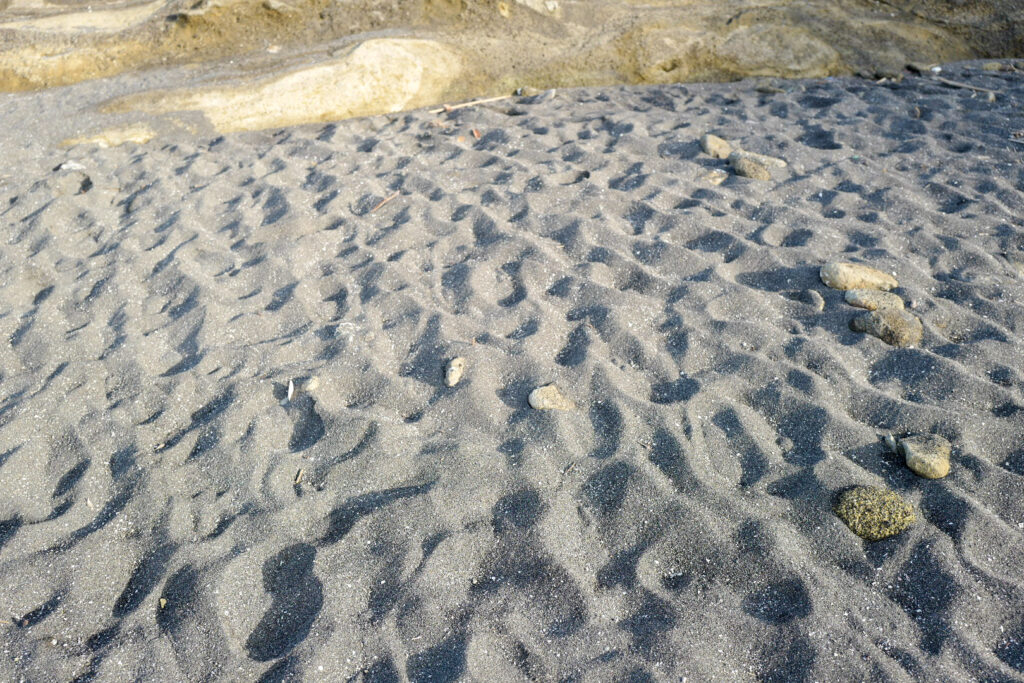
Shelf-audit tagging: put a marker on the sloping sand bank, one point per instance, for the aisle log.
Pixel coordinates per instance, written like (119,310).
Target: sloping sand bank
(508,43)
(227,450)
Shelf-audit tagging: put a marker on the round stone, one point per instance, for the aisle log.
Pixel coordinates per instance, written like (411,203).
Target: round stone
(549,398)
(874,513)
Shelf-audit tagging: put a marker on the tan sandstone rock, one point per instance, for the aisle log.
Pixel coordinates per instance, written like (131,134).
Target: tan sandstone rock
(549,397)
(842,275)
(927,455)
(748,168)
(873,299)
(715,146)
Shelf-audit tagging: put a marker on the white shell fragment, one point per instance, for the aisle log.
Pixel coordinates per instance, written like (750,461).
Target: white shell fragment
(300,385)
(453,373)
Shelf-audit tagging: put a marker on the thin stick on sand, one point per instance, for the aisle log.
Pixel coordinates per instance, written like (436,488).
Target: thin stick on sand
(385,201)
(472,103)
(968,86)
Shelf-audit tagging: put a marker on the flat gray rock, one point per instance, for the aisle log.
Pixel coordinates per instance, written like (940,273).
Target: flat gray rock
(894,327)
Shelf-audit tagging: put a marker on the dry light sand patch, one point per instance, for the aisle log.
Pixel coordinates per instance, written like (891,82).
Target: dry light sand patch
(372,77)
(230,446)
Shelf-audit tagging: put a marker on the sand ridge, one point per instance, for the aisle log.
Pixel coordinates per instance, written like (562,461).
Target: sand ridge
(169,513)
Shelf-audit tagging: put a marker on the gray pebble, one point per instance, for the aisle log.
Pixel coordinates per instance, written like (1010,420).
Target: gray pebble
(894,327)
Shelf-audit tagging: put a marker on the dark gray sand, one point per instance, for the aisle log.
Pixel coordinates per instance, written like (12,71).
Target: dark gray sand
(168,513)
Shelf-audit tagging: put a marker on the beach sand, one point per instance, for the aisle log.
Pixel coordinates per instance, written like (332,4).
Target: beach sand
(228,451)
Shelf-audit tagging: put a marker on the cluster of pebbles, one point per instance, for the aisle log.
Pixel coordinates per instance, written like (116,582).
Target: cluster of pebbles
(875,513)
(872,512)
(743,163)
(868,288)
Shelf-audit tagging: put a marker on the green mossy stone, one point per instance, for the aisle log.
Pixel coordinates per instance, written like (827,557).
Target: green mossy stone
(874,513)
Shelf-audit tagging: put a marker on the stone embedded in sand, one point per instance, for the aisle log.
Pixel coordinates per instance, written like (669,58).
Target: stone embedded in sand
(812,299)
(762,159)
(715,146)
(894,327)
(927,455)
(715,176)
(874,513)
(841,275)
(453,373)
(873,300)
(748,168)
(71,183)
(549,398)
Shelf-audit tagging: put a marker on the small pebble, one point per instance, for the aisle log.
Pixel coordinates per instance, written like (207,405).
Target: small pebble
(715,146)
(812,299)
(841,275)
(874,513)
(763,159)
(748,168)
(927,455)
(873,300)
(453,373)
(894,327)
(549,398)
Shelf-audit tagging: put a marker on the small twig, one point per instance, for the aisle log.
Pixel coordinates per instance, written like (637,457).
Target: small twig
(453,107)
(1013,139)
(385,201)
(958,84)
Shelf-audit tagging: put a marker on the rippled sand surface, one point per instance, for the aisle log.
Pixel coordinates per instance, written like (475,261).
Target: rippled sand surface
(169,513)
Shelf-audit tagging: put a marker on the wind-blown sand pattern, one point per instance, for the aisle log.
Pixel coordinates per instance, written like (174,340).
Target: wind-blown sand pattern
(169,514)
